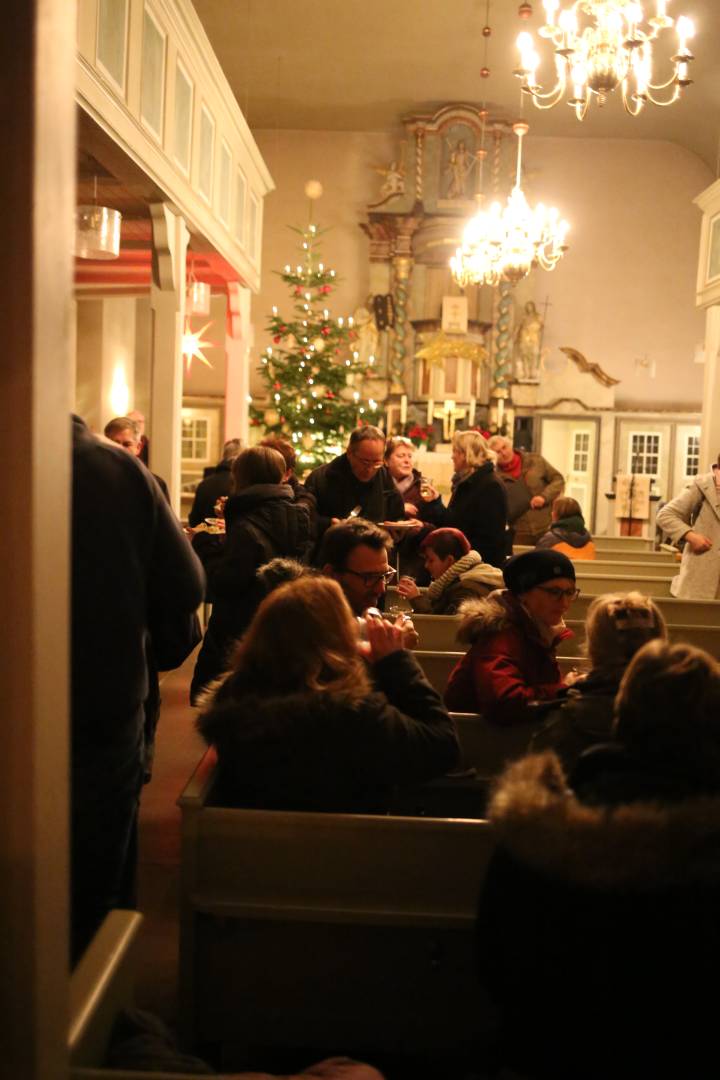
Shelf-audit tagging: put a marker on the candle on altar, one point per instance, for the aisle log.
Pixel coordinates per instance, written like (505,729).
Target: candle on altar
(431,410)
(403,410)
(448,409)
(471,412)
(500,411)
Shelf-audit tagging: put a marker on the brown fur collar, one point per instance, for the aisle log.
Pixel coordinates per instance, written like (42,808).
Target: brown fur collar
(642,845)
(489,615)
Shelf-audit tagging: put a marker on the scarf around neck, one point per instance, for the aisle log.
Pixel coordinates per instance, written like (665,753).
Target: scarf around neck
(514,469)
(467,562)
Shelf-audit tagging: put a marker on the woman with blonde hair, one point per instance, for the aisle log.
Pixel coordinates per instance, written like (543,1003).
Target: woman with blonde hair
(478,504)
(616,626)
(300,724)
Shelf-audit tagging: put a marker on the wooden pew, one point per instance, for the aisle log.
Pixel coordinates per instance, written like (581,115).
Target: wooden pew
(328,930)
(635,569)
(487,747)
(624,547)
(437,633)
(593,584)
(100,987)
(614,554)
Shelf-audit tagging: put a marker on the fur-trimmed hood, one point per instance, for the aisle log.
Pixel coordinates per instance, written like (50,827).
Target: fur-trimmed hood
(643,846)
(497,612)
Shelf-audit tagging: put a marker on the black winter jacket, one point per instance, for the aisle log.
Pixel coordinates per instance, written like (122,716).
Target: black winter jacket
(599,928)
(580,720)
(262,523)
(208,491)
(133,571)
(314,751)
(338,491)
(478,507)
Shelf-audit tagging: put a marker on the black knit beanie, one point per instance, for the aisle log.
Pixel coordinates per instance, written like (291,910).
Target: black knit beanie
(524,572)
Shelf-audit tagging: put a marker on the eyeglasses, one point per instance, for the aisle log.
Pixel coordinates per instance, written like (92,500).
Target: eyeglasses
(369,579)
(367,464)
(559,594)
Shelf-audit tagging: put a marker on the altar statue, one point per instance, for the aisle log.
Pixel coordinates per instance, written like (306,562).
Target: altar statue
(394,182)
(459,166)
(528,339)
(366,342)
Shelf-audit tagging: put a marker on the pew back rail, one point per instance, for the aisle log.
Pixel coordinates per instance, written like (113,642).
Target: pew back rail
(331,930)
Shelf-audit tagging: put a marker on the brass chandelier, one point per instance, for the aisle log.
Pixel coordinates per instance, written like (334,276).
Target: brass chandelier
(600,45)
(504,243)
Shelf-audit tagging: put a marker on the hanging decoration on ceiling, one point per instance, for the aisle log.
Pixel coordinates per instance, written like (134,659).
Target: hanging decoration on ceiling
(199,294)
(600,45)
(504,243)
(97,230)
(193,344)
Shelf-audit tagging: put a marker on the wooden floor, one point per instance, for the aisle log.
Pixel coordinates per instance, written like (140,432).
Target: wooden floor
(178,750)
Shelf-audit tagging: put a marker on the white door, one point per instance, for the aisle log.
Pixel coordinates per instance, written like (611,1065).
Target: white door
(570,444)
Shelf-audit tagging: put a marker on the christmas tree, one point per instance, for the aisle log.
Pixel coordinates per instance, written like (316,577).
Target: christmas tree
(310,368)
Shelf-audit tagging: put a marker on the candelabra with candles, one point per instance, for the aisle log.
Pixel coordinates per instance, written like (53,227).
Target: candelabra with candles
(600,45)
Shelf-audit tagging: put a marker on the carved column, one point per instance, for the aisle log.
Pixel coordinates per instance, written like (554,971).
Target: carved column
(167,300)
(502,359)
(402,268)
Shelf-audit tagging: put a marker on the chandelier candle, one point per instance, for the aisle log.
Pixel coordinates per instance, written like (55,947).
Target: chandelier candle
(600,45)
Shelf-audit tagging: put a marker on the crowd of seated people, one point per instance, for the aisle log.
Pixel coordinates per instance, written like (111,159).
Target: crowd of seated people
(598,931)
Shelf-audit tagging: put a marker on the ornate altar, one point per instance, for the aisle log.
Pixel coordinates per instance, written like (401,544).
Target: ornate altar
(444,357)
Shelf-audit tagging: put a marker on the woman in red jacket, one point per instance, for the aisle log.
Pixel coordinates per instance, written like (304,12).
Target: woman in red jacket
(513,635)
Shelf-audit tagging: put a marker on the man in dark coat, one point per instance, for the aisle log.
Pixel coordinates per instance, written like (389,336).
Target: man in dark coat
(263,521)
(133,575)
(215,484)
(125,431)
(358,478)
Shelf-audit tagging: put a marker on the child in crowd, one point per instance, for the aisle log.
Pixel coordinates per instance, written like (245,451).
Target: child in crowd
(568,532)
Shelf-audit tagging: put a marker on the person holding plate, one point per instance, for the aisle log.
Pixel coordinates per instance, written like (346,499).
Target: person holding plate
(356,484)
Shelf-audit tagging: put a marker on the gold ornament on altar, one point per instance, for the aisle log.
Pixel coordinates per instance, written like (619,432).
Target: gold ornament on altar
(449,412)
(319,344)
(444,346)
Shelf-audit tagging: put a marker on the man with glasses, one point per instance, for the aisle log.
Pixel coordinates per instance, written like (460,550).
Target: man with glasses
(355,554)
(356,481)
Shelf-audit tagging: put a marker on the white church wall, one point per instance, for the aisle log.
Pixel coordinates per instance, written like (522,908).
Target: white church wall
(625,289)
